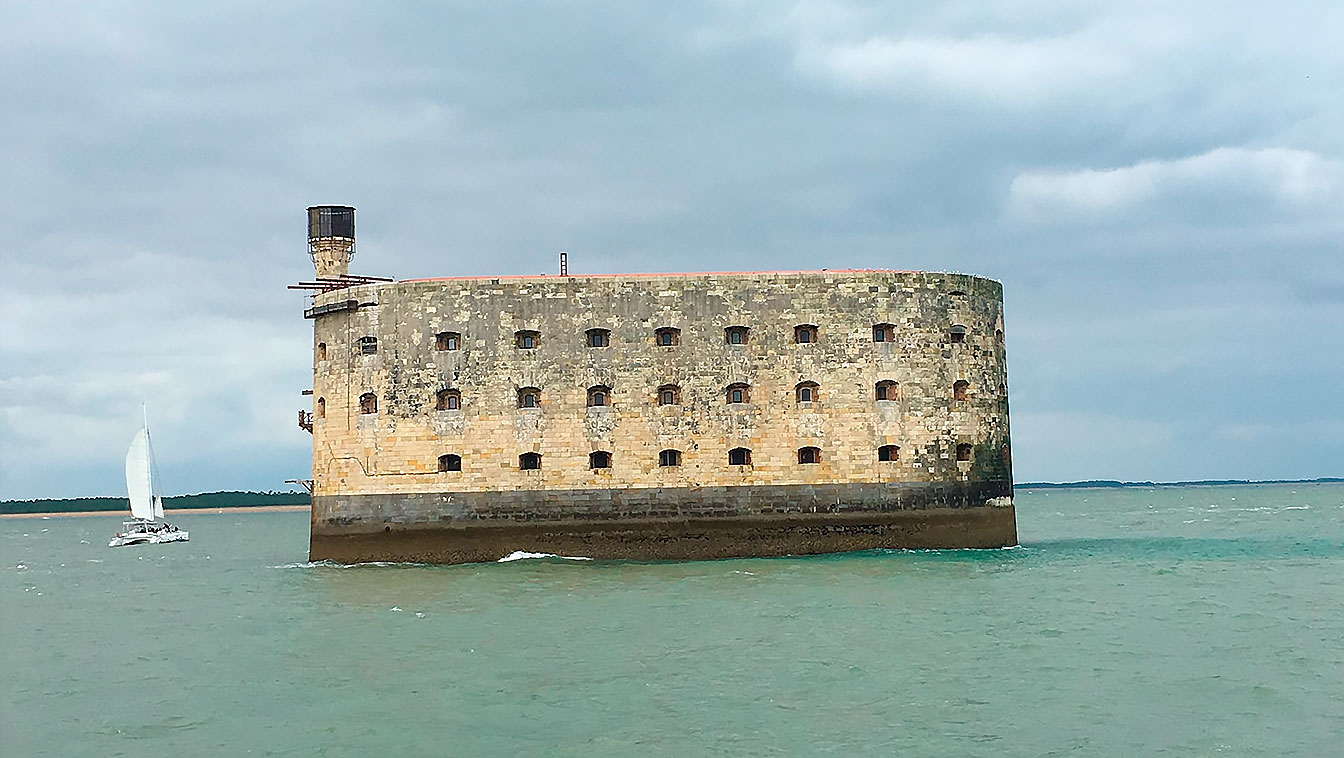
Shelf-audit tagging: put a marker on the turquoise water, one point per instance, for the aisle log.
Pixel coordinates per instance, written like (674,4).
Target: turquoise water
(1186,621)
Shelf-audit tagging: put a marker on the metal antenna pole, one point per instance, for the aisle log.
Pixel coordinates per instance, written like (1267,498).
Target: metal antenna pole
(564,263)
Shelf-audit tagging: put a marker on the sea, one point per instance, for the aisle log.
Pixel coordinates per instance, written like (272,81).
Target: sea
(1183,621)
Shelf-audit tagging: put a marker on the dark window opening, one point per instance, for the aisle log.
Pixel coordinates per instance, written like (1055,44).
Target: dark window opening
(739,456)
(368,403)
(529,461)
(964,452)
(884,333)
(598,337)
(959,389)
(957,293)
(667,336)
(368,345)
(450,462)
(447,400)
(527,339)
(737,335)
(806,392)
(957,334)
(599,396)
(529,397)
(739,393)
(447,341)
(321,351)
(885,390)
(321,407)
(599,459)
(888,453)
(804,333)
(669,458)
(809,455)
(669,394)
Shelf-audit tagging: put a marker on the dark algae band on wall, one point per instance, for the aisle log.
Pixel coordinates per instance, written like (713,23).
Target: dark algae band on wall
(655,415)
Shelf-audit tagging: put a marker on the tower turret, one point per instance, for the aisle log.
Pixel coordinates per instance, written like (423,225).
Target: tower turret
(331,239)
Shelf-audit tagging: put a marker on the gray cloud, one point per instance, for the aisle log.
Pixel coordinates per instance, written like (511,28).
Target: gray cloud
(1156,184)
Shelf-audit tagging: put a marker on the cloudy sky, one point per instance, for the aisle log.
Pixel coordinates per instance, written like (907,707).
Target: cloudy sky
(1158,185)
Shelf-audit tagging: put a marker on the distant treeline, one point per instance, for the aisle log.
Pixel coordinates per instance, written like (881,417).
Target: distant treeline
(1199,483)
(203,500)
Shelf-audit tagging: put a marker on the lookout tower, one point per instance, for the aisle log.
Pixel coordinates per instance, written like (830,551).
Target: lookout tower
(331,239)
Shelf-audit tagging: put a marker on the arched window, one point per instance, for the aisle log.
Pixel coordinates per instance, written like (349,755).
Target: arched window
(738,393)
(599,459)
(806,392)
(529,461)
(669,458)
(809,455)
(737,335)
(368,403)
(669,394)
(998,335)
(529,397)
(885,390)
(964,452)
(368,345)
(959,389)
(739,456)
(598,337)
(527,339)
(447,400)
(805,333)
(599,395)
(321,351)
(956,333)
(321,407)
(884,333)
(888,453)
(447,341)
(667,336)
(450,462)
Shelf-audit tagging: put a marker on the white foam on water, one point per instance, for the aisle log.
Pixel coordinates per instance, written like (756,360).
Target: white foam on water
(519,555)
(395,609)
(1297,508)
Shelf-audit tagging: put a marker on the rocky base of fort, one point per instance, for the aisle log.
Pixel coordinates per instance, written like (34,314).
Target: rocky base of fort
(989,526)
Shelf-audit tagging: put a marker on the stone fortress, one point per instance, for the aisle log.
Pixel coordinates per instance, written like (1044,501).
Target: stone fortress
(653,416)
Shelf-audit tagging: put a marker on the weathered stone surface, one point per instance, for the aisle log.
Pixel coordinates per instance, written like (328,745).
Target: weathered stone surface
(375,470)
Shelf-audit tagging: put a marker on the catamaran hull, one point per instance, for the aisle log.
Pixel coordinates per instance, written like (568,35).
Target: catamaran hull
(151,539)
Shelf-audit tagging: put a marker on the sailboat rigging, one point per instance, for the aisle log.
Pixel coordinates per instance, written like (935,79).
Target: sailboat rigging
(146,524)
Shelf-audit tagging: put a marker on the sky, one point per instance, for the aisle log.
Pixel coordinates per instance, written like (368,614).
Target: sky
(1158,185)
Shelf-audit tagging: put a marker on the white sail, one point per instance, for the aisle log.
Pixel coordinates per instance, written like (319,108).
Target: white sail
(138,476)
(158,506)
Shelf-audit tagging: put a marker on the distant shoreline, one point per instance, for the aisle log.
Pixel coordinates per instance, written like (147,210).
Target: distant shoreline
(167,512)
(1111,484)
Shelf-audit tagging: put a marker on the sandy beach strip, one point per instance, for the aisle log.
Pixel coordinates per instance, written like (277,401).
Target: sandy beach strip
(167,511)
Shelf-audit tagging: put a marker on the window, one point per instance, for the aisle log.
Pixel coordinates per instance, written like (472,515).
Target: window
(805,333)
(321,407)
(998,335)
(450,462)
(885,390)
(884,333)
(959,389)
(669,458)
(957,293)
(957,333)
(368,345)
(738,393)
(529,461)
(669,394)
(447,400)
(447,341)
(808,455)
(368,403)
(599,395)
(736,335)
(964,452)
(667,336)
(321,351)
(527,339)
(529,397)
(599,459)
(598,337)
(739,456)
(888,453)
(806,392)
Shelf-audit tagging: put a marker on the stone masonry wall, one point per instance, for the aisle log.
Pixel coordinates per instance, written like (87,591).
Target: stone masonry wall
(394,452)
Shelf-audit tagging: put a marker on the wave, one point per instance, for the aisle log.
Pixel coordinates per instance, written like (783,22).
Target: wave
(519,555)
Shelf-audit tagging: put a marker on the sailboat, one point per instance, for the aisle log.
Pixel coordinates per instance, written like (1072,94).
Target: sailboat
(146,524)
